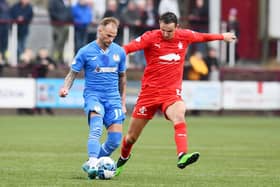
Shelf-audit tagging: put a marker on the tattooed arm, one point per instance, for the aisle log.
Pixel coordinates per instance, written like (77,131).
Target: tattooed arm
(68,82)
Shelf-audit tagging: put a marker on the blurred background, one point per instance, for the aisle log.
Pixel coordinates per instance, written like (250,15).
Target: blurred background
(39,39)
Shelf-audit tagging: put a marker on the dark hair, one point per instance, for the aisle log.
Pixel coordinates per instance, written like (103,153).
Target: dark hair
(168,17)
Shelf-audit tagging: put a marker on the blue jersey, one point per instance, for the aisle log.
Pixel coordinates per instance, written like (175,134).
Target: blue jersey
(101,68)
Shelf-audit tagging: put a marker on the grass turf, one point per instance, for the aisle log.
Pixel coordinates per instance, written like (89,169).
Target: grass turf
(235,152)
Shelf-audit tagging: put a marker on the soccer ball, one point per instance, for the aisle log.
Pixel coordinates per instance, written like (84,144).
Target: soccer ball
(106,168)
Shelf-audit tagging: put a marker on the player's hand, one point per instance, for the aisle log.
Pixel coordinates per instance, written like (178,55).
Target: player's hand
(229,36)
(63,92)
(124,109)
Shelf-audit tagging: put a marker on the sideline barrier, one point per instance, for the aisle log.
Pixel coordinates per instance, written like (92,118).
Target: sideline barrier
(47,94)
(17,93)
(198,95)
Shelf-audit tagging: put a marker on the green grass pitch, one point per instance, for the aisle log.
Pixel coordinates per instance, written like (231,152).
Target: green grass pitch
(235,151)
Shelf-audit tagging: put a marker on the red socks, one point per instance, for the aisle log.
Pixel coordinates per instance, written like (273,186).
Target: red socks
(180,137)
(126,148)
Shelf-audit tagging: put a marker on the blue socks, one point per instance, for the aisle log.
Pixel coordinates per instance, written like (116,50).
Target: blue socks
(95,132)
(111,144)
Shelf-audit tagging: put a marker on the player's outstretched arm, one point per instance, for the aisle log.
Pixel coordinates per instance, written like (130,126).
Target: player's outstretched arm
(229,36)
(68,82)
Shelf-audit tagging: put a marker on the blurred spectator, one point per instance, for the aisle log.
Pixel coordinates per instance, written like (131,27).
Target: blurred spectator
(138,58)
(156,5)
(198,20)
(43,64)
(141,7)
(98,9)
(4,28)
(131,16)
(212,63)
(152,15)
(196,71)
(22,12)
(197,67)
(26,63)
(233,26)
(122,4)
(25,68)
(112,11)
(92,29)
(169,6)
(134,16)
(82,16)
(60,15)
(198,17)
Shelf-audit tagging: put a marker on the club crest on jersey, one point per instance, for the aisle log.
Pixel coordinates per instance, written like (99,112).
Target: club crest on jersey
(180,45)
(116,57)
(142,111)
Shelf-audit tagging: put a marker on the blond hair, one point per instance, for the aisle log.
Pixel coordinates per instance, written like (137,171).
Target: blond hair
(107,20)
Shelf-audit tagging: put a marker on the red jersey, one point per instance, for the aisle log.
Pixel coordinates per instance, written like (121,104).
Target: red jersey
(165,58)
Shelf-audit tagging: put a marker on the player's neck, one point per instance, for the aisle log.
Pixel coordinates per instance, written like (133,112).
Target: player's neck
(101,45)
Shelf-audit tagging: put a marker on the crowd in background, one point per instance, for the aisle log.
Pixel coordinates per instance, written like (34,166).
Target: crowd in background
(139,15)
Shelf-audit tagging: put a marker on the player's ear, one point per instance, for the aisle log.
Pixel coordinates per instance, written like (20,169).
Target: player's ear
(99,29)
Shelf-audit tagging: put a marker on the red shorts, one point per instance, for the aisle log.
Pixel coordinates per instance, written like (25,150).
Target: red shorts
(152,99)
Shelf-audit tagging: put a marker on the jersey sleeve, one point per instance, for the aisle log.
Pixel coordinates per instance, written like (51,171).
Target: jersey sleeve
(201,37)
(122,64)
(139,43)
(78,62)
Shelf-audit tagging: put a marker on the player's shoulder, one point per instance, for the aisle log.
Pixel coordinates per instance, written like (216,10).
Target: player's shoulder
(116,47)
(184,32)
(89,47)
(153,33)
(150,35)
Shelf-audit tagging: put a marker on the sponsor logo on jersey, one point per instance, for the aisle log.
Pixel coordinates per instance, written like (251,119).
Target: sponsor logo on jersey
(170,57)
(157,45)
(178,92)
(94,58)
(105,69)
(181,135)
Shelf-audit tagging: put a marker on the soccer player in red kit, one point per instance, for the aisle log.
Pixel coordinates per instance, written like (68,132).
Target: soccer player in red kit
(165,51)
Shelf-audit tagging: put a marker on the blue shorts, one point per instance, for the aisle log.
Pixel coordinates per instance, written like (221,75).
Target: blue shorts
(110,110)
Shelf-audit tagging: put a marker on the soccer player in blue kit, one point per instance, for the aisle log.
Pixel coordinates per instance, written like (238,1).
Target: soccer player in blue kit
(103,62)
